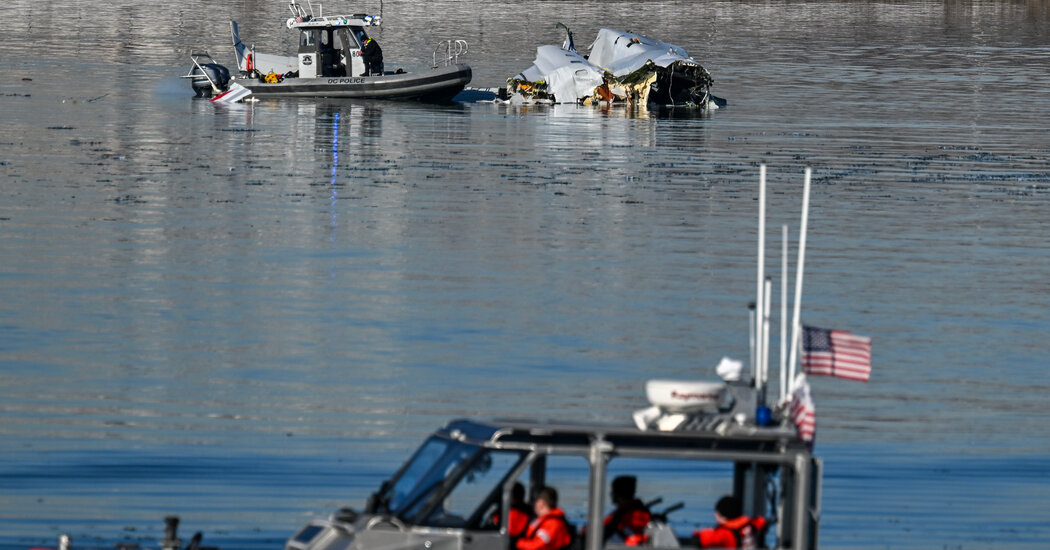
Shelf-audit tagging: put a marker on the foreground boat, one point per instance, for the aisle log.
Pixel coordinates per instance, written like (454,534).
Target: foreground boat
(334,59)
(445,496)
(621,67)
(697,435)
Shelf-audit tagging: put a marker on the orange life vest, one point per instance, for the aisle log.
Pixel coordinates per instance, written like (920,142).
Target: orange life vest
(550,532)
(629,522)
(741,532)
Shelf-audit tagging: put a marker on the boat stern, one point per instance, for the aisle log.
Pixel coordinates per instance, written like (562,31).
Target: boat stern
(207,78)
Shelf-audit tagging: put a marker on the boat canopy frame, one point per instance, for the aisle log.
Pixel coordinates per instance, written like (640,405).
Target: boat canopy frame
(757,453)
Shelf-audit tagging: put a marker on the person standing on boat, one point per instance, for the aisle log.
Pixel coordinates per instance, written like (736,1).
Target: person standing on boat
(372,55)
(734,529)
(630,518)
(550,530)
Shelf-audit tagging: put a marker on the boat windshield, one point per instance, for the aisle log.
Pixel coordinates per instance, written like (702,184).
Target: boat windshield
(459,477)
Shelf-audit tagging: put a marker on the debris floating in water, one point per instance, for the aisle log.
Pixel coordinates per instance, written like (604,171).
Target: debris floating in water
(621,67)
(233,94)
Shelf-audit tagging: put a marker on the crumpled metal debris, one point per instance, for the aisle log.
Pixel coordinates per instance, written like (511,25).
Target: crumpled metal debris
(621,67)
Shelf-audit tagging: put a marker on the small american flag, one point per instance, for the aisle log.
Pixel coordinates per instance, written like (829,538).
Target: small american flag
(836,353)
(803,413)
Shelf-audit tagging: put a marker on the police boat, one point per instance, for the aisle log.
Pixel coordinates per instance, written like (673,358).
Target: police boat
(336,58)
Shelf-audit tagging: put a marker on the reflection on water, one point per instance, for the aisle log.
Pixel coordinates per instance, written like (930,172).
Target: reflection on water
(248,314)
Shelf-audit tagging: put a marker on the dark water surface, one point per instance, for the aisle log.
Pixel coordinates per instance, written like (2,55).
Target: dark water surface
(250,315)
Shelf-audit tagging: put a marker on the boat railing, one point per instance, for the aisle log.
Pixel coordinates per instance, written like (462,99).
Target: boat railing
(450,50)
(299,13)
(311,19)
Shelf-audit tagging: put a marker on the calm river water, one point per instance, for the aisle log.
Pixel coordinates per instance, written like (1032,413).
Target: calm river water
(250,315)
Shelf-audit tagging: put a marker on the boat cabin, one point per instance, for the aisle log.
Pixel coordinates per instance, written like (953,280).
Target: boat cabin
(446,496)
(331,47)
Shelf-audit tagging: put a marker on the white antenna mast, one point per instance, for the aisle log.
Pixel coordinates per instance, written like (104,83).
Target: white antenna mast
(767,291)
(783,309)
(795,327)
(760,308)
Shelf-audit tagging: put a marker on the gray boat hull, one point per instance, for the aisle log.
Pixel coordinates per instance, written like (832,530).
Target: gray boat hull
(437,85)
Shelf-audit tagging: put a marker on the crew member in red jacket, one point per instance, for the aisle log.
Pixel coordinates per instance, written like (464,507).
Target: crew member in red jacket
(734,529)
(631,517)
(520,514)
(550,530)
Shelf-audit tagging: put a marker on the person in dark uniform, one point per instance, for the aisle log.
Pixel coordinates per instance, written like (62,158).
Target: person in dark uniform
(372,55)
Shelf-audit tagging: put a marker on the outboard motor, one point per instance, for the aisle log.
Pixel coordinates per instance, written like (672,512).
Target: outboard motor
(207,77)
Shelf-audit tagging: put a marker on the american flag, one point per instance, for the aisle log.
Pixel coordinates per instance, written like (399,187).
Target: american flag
(803,413)
(836,353)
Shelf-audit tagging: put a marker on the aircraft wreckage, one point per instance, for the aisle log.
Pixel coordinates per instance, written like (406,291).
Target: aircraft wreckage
(622,67)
